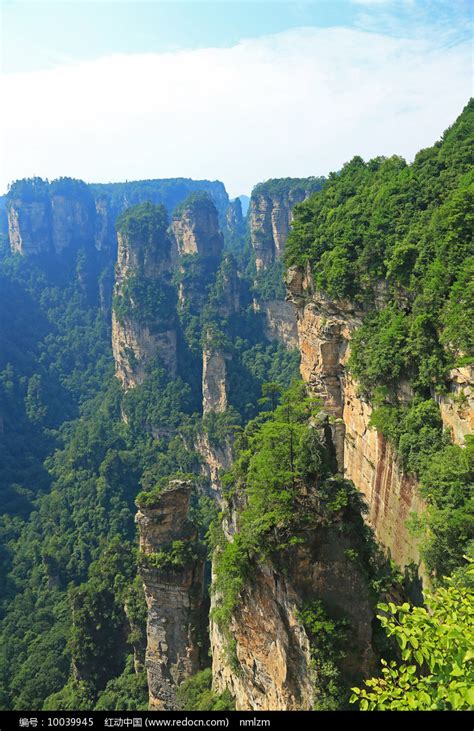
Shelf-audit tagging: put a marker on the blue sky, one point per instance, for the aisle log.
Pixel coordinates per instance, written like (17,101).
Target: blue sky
(45,34)
(239,91)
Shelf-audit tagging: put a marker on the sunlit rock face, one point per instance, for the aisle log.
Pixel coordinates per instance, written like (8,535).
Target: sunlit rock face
(269,665)
(269,221)
(214,392)
(364,455)
(51,218)
(144,316)
(175,598)
(271,213)
(195,226)
(457,406)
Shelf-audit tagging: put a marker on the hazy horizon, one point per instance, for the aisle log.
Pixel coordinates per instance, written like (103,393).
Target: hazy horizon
(237,92)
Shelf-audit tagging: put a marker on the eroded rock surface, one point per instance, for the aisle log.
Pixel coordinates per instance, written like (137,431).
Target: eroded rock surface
(174,595)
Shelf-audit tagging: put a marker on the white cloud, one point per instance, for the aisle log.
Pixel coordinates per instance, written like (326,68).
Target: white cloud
(296,103)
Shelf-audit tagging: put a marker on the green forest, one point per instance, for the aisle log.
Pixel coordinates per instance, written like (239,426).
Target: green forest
(72,609)
(79,453)
(396,240)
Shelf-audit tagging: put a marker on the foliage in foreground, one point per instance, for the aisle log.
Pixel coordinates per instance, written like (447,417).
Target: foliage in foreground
(436,644)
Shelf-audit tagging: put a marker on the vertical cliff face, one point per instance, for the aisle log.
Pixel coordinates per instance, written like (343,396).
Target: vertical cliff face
(225,299)
(271,663)
(279,321)
(29,226)
(73,220)
(195,227)
(135,346)
(227,289)
(173,576)
(271,213)
(457,407)
(235,225)
(324,330)
(169,192)
(45,217)
(104,227)
(214,393)
(197,249)
(234,216)
(143,318)
(269,218)
(56,217)
(216,458)
(371,463)
(150,257)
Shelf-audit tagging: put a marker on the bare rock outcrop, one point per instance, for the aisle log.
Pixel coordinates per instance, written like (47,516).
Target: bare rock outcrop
(214,390)
(29,227)
(271,213)
(269,219)
(279,321)
(457,406)
(270,663)
(364,456)
(195,227)
(172,569)
(143,317)
(51,218)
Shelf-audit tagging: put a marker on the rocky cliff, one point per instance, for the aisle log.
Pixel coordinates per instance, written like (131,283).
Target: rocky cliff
(269,219)
(234,217)
(197,249)
(457,406)
(29,227)
(195,227)
(235,226)
(170,192)
(271,212)
(172,569)
(164,273)
(135,346)
(143,317)
(216,459)
(214,393)
(325,327)
(268,657)
(45,218)
(279,321)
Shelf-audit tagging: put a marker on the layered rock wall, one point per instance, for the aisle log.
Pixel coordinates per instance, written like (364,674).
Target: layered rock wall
(364,456)
(371,463)
(271,667)
(195,227)
(135,345)
(144,268)
(270,217)
(29,227)
(457,406)
(52,217)
(53,223)
(269,220)
(279,321)
(214,390)
(174,595)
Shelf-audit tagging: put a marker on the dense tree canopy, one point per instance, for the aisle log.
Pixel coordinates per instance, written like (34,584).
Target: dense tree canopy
(396,240)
